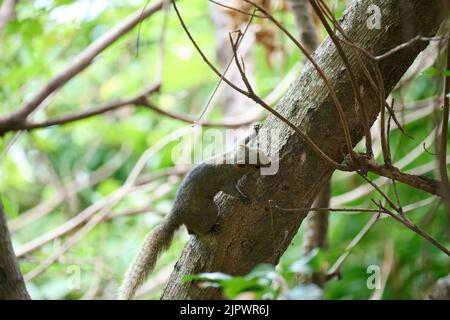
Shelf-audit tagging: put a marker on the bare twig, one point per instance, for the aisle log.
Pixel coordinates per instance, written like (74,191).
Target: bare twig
(402,46)
(104,210)
(418,182)
(378,86)
(77,185)
(84,114)
(253,15)
(256,98)
(140,100)
(415,228)
(321,72)
(355,86)
(335,268)
(162,43)
(81,62)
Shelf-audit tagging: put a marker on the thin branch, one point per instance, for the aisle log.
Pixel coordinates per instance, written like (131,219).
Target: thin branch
(139,100)
(365,210)
(418,182)
(407,208)
(379,86)
(75,186)
(416,229)
(335,268)
(88,113)
(104,210)
(225,71)
(79,63)
(384,143)
(356,91)
(402,46)
(330,88)
(81,219)
(256,98)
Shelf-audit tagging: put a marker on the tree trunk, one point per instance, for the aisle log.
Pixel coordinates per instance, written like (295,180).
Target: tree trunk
(12,286)
(261,233)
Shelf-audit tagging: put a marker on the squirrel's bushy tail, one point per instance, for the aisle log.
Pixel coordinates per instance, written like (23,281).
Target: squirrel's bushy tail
(157,241)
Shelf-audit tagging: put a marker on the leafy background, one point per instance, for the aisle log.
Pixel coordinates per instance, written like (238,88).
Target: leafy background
(47,34)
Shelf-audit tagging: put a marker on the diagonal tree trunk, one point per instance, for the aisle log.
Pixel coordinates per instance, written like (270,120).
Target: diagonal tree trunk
(261,233)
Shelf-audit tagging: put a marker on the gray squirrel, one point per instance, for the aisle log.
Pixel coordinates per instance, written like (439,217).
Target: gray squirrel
(194,207)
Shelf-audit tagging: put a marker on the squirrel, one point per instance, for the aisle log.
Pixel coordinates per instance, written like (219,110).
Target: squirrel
(194,207)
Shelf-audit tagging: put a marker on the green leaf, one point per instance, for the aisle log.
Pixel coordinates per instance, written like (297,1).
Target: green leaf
(433,72)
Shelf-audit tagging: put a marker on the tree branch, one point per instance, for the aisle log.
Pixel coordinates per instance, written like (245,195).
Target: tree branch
(79,63)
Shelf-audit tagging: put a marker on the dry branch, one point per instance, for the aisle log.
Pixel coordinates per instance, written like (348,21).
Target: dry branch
(79,63)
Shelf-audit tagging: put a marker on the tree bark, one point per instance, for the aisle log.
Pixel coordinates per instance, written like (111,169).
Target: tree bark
(261,233)
(12,286)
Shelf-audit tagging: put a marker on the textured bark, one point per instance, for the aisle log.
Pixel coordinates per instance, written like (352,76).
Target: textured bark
(12,286)
(316,223)
(261,233)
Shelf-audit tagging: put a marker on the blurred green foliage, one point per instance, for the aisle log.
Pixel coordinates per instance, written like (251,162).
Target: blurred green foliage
(48,34)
